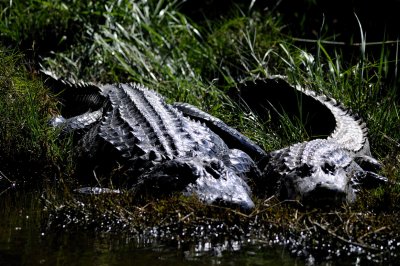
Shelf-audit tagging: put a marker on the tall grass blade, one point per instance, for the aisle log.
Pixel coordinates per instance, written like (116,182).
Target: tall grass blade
(362,60)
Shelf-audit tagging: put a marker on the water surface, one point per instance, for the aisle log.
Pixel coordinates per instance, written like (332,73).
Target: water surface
(25,239)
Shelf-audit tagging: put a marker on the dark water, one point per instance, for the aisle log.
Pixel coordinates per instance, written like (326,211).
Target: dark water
(26,240)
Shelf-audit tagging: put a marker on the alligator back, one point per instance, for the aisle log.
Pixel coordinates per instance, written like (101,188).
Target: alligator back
(139,122)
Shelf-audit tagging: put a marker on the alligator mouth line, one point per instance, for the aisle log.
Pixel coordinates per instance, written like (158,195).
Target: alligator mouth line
(325,197)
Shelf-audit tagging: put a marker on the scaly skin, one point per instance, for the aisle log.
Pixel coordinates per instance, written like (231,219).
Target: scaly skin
(181,148)
(165,150)
(324,171)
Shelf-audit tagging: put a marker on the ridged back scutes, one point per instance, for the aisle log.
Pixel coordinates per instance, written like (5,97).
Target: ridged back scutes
(317,152)
(153,125)
(350,130)
(232,137)
(116,131)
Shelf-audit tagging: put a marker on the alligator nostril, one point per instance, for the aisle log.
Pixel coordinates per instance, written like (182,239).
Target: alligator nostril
(328,168)
(305,170)
(216,173)
(214,164)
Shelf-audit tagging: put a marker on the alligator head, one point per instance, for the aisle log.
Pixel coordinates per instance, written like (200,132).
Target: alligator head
(321,185)
(323,173)
(319,172)
(209,179)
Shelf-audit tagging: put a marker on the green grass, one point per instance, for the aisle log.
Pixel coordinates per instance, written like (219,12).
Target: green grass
(27,144)
(37,26)
(151,42)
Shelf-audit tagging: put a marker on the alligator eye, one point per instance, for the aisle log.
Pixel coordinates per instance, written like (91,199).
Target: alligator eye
(214,168)
(305,170)
(215,164)
(328,168)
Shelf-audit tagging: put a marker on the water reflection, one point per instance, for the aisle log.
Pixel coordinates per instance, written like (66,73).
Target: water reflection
(24,240)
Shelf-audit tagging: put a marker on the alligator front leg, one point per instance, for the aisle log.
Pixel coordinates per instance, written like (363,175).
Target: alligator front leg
(363,170)
(368,179)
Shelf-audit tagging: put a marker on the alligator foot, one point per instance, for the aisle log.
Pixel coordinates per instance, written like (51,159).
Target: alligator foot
(369,180)
(96,190)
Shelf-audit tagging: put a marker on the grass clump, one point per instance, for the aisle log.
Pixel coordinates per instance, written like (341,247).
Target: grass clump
(37,26)
(26,141)
(154,45)
(158,46)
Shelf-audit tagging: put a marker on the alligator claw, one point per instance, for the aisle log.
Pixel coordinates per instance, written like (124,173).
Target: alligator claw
(96,190)
(368,179)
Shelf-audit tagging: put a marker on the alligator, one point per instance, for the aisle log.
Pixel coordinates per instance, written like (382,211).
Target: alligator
(166,147)
(178,147)
(323,171)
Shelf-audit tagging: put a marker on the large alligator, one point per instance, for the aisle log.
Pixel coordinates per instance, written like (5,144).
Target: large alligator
(165,147)
(181,148)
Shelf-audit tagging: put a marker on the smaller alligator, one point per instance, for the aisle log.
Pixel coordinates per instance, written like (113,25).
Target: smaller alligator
(322,172)
(181,148)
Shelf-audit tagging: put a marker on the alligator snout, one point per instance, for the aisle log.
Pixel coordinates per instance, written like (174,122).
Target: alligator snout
(325,195)
(227,190)
(321,188)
